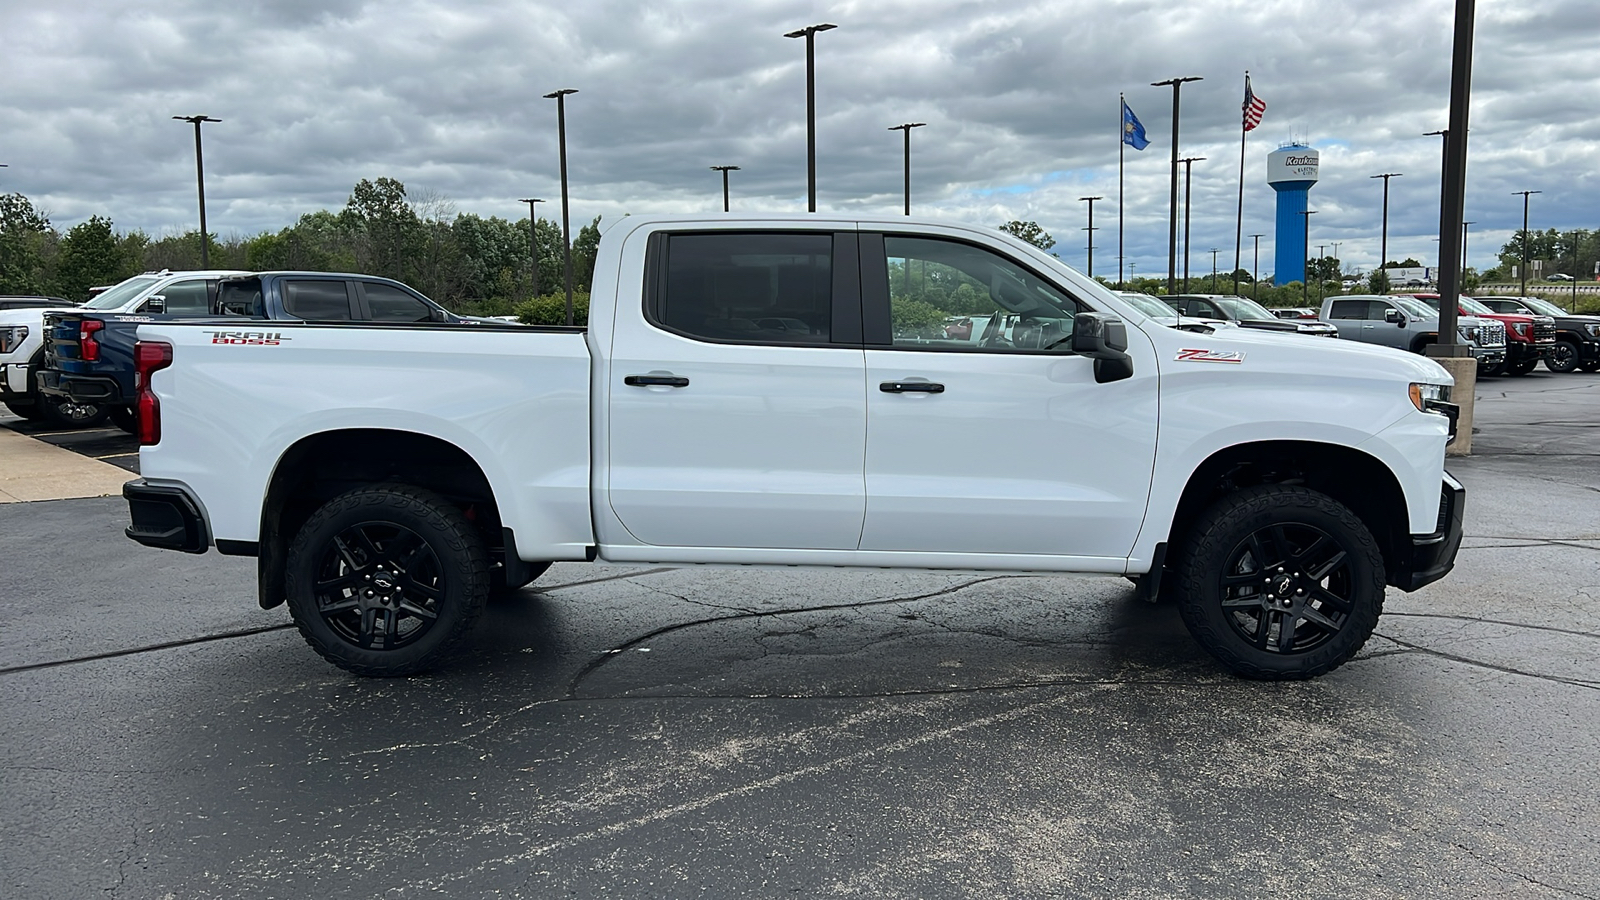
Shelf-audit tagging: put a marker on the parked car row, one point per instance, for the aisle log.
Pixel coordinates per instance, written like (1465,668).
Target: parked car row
(74,365)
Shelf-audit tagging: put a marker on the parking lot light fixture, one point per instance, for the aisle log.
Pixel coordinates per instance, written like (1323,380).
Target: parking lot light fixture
(1383,242)
(724,170)
(533,238)
(1525,196)
(1188,168)
(200,180)
(907,129)
(566,217)
(1172,207)
(810,34)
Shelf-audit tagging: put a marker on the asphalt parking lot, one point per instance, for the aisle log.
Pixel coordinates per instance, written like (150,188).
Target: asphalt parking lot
(722,733)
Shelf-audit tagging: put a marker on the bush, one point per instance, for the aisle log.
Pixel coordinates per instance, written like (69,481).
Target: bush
(551,309)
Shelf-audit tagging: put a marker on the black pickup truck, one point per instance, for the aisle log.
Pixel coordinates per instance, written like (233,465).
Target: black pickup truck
(1577,337)
(89,356)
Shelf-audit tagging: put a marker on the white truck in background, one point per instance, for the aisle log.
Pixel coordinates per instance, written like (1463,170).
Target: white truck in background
(388,477)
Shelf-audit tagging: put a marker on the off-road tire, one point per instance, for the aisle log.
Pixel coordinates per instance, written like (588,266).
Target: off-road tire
(1522,367)
(1220,549)
(72,414)
(28,409)
(446,568)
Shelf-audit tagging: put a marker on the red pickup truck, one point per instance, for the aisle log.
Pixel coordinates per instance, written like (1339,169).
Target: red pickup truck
(1528,338)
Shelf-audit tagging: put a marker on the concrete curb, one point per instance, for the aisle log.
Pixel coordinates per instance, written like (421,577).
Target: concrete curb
(33,470)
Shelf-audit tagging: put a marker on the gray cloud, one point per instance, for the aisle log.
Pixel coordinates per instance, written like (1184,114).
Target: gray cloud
(1020,101)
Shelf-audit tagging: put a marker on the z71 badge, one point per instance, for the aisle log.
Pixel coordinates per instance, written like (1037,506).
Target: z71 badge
(1220,356)
(249,338)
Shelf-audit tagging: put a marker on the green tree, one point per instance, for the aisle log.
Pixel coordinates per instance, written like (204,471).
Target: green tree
(90,256)
(386,230)
(1378,282)
(585,247)
(1030,232)
(26,242)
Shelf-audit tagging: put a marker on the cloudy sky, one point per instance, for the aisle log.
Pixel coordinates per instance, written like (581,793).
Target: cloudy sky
(1020,100)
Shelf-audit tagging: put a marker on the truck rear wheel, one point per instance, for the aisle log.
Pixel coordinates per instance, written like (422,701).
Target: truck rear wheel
(28,409)
(71,413)
(387,579)
(1281,582)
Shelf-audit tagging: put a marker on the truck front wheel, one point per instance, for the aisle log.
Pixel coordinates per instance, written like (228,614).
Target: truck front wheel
(387,579)
(1563,356)
(1281,582)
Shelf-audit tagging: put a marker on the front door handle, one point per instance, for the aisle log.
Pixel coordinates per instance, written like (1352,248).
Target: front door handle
(656,380)
(904,387)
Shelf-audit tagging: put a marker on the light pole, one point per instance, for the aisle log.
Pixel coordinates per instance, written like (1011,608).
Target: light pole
(1572,305)
(724,170)
(907,129)
(1383,245)
(1172,207)
(1213,270)
(200,180)
(533,238)
(1464,246)
(1091,229)
(566,217)
(1255,270)
(810,34)
(1321,281)
(1307,213)
(1525,195)
(1188,168)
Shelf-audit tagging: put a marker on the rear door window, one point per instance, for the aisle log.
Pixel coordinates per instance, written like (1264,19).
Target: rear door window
(241,298)
(317,300)
(747,288)
(1350,309)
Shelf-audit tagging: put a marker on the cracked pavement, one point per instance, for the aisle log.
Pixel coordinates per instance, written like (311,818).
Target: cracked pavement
(734,733)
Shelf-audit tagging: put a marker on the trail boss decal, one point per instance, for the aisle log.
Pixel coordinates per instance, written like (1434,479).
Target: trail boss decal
(1219,356)
(256,338)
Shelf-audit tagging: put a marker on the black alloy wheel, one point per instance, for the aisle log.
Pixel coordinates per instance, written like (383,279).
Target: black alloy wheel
(1281,582)
(125,418)
(73,413)
(1563,357)
(386,580)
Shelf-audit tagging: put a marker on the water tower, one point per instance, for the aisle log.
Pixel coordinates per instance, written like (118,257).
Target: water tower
(1291,170)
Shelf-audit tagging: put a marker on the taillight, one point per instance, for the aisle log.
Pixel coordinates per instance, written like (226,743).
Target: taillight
(149,357)
(88,344)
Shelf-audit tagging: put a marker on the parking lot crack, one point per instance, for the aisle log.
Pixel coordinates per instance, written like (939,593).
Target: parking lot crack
(1508,670)
(1478,857)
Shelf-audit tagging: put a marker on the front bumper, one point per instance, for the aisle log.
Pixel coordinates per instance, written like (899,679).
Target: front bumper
(165,516)
(1522,351)
(1489,356)
(81,388)
(1430,557)
(13,380)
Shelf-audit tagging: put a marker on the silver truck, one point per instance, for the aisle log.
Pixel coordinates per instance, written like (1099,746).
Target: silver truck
(1410,324)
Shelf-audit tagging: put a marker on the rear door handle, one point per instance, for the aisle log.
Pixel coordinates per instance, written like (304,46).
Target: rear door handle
(655,380)
(904,387)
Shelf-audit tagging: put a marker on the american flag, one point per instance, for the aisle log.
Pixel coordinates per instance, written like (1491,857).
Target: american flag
(1253,106)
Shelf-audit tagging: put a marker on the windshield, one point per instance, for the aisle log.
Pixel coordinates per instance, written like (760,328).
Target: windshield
(1148,305)
(1476,308)
(122,293)
(1543,306)
(1245,310)
(1416,309)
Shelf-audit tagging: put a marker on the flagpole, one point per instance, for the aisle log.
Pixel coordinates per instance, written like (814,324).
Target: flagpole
(1122,131)
(1238,222)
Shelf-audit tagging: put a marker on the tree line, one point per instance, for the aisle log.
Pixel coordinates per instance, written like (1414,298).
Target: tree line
(468,263)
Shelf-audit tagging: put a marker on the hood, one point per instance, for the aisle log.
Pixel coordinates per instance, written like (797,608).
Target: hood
(1268,353)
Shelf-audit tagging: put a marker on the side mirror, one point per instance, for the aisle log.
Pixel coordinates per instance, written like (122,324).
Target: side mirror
(1104,339)
(155,305)
(1394,316)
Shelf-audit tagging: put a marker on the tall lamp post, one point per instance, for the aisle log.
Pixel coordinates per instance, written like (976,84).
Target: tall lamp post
(907,129)
(810,34)
(1307,213)
(1172,207)
(1255,270)
(566,217)
(1091,229)
(724,170)
(1213,270)
(1525,195)
(533,238)
(200,180)
(1188,167)
(1464,246)
(1383,242)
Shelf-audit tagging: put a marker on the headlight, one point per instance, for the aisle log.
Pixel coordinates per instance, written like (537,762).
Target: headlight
(12,338)
(1522,328)
(1422,393)
(1594,329)
(1471,334)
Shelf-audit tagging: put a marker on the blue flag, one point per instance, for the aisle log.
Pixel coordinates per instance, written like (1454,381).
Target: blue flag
(1133,129)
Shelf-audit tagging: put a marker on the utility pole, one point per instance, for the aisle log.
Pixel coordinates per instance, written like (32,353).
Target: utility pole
(1213,270)
(200,180)
(810,34)
(907,129)
(1304,296)
(566,217)
(1188,167)
(1525,195)
(533,238)
(1172,207)
(1255,270)
(1091,229)
(724,170)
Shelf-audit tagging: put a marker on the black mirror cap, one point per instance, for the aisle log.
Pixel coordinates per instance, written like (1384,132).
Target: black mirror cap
(1099,335)
(1113,368)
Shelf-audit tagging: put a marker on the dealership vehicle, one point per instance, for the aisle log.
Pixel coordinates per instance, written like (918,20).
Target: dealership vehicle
(32,302)
(1410,324)
(1295,312)
(1577,337)
(1528,338)
(1245,313)
(21,364)
(89,358)
(1558,276)
(384,476)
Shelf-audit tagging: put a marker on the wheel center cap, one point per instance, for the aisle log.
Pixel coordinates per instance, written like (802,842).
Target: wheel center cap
(1282,585)
(382,581)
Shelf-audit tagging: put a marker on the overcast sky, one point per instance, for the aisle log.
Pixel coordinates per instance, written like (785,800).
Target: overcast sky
(1020,100)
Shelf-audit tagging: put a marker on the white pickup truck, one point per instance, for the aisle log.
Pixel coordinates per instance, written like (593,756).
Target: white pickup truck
(781,391)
